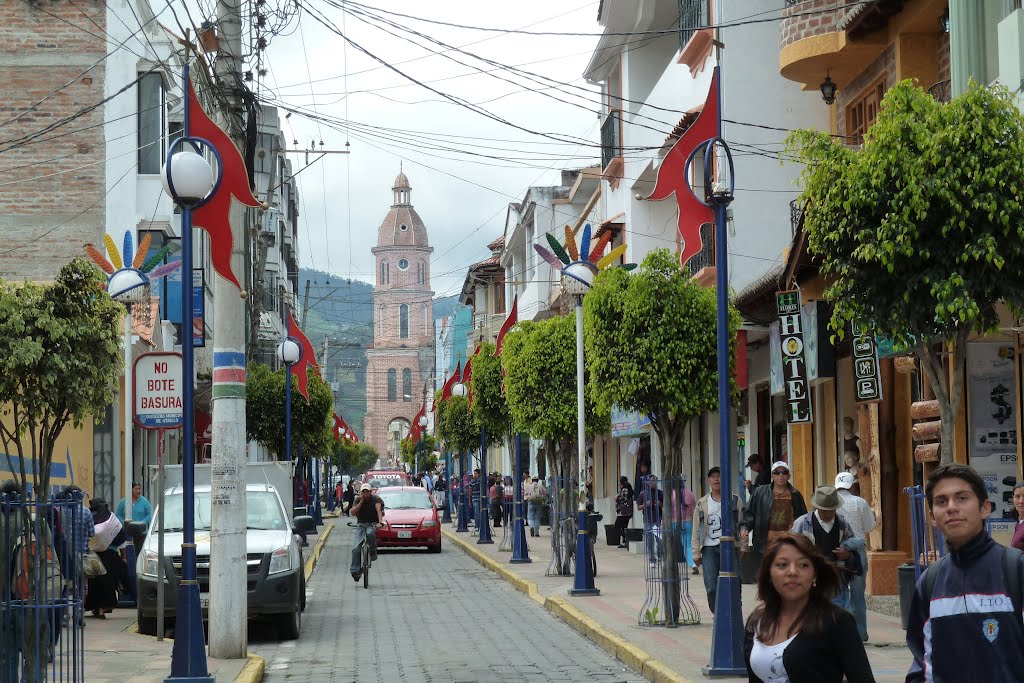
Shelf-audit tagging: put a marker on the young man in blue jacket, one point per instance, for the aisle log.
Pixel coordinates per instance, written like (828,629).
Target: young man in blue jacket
(963,612)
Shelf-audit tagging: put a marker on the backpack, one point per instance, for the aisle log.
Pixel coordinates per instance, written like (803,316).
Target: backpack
(1011,570)
(49,583)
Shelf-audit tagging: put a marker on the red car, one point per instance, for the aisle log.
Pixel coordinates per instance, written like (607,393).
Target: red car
(410,517)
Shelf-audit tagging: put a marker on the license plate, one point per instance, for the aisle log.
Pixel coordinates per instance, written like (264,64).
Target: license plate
(204,600)
(405,534)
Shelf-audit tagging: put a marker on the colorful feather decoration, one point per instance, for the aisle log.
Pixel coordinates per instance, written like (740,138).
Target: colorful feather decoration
(99,259)
(127,252)
(611,257)
(140,255)
(598,250)
(164,269)
(115,257)
(558,249)
(155,260)
(551,259)
(585,242)
(570,244)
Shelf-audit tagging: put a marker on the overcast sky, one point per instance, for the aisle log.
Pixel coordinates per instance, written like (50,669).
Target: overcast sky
(462,199)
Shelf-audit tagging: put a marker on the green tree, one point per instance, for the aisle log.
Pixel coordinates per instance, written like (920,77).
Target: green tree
(540,387)
(652,348)
(60,356)
(920,229)
(490,409)
(312,424)
(422,457)
(354,458)
(455,426)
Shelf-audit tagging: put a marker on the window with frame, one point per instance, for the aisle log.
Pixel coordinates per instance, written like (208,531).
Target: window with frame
(862,112)
(392,385)
(152,108)
(403,321)
(406,384)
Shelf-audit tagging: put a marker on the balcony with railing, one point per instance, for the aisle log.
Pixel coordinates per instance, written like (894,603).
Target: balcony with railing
(611,138)
(693,16)
(940,91)
(701,266)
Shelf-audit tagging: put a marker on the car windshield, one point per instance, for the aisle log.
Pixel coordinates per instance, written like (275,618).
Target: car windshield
(384,483)
(405,500)
(262,511)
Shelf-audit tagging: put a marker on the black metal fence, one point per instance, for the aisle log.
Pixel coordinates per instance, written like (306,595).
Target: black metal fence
(611,137)
(667,600)
(693,15)
(42,589)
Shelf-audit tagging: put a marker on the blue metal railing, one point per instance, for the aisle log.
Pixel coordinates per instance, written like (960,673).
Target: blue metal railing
(42,589)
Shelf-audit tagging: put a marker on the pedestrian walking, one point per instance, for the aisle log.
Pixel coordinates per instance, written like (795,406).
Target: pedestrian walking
(650,501)
(762,476)
(536,498)
(349,497)
(101,595)
(857,513)
(623,509)
(496,498)
(965,616)
(707,534)
(832,535)
(142,512)
(772,510)
(796,634)
(509,501)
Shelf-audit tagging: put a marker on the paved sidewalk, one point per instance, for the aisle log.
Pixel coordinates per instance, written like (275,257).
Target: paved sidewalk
(611,618)
(116,653)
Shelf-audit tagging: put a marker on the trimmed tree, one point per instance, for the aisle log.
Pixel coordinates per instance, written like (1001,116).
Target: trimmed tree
(414,454)
(540,388)
(651,348)
(312,423)
(60,356)
(920,230)
(489,408)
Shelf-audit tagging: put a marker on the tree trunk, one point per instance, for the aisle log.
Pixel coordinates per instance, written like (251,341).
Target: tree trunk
(889,467)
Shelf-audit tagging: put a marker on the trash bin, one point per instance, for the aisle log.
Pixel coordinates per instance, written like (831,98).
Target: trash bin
(906,582)
(611,534)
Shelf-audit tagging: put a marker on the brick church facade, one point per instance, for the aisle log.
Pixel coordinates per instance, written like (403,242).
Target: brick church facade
(399,360)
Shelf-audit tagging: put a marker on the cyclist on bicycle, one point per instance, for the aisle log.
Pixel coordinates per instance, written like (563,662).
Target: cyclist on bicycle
(369,514)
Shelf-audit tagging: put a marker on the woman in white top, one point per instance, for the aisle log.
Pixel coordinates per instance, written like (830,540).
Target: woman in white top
(796,634)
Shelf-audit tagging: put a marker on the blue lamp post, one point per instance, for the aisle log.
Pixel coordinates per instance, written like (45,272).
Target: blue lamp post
(520,550)
(464,496)
(190,182)
(289,352)
(421,447)
(727,638)
(483,523)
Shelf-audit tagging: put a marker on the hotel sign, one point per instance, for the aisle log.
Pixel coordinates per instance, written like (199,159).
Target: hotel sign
(867,377)
(794,365)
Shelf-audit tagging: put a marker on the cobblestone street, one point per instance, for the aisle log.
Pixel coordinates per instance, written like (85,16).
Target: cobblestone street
(427,617)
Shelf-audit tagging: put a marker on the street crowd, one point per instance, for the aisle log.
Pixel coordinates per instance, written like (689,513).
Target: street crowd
(810,623)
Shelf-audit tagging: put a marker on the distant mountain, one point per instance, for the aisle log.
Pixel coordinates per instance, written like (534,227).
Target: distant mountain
(341,311)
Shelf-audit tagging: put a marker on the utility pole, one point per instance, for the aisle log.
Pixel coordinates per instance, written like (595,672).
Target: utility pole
(305,306)
(228,598)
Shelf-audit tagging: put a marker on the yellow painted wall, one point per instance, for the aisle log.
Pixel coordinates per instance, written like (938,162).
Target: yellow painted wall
(72,459)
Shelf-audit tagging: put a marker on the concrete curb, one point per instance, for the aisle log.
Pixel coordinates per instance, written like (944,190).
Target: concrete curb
(253,670)
(629,654)
(314,556)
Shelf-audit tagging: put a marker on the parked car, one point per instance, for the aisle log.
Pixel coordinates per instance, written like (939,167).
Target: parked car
(274,564)
(410,519)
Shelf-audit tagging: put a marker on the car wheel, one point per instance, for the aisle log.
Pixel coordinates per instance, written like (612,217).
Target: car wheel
(146,625)
(437,548)
(289,628)
(302,590)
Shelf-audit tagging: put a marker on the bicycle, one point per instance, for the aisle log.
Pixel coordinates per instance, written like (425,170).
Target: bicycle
(365,565)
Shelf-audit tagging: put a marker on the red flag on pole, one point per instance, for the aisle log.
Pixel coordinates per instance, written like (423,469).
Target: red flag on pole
(213,215)
(446,390)
(674,179)
(512,319)
(308,358)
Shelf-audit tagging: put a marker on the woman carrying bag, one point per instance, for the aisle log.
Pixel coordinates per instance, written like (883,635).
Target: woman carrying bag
(101,597)
(623,509)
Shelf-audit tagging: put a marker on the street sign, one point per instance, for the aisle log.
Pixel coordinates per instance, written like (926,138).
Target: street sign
(794,364)
(867,377)
(157,380)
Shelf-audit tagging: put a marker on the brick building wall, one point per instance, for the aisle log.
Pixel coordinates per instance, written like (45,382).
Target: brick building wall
(810,18)
(48,78)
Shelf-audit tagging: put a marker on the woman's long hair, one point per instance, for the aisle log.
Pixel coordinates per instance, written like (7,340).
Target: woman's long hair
(764,621)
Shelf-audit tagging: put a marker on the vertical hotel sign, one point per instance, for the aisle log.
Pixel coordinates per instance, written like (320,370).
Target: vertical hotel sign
(794,367)
(867,375)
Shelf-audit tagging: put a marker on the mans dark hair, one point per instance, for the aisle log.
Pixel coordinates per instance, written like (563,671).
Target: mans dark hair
(957,471)
(715,470)
(754,459)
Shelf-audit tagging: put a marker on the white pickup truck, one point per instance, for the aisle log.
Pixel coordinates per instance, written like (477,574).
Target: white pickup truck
(274,564)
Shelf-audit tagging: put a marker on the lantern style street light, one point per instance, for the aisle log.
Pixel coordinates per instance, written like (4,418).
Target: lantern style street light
(189,180)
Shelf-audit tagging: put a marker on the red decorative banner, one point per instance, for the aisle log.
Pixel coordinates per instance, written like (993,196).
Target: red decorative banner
(300,369)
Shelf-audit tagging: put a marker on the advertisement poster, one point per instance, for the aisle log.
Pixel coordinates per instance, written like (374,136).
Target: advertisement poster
(198,309)
(992,416)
